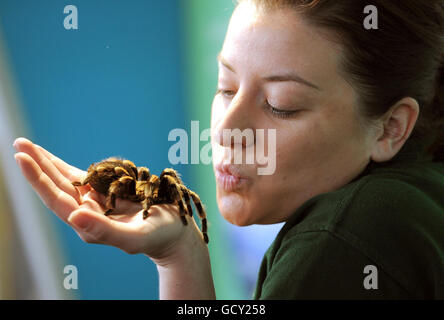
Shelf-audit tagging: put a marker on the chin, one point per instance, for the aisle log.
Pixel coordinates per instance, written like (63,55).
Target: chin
(234,209)
(236,219)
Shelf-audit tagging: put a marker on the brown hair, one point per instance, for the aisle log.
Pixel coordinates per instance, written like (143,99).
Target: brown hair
(404,57)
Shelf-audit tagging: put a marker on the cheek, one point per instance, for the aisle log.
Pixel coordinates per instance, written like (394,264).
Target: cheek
(301,150)
(272,198)
(299,143)
(320,154)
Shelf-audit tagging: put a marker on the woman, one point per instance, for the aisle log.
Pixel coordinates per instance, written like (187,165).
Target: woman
(359,178)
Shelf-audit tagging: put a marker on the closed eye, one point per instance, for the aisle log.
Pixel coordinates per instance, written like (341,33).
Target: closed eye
(279,113)
(226,93)
(276,112)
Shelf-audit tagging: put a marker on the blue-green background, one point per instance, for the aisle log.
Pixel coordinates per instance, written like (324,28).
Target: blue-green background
(132,72)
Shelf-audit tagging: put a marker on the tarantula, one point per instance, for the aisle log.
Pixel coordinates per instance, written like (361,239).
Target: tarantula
(119,178)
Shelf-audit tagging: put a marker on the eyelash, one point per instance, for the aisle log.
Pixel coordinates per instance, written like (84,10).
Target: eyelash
(225,92)
(283,114)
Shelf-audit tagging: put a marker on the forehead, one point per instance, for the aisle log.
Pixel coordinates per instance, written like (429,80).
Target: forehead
(278,41)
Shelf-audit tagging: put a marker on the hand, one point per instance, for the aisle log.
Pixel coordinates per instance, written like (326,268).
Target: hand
(159,236)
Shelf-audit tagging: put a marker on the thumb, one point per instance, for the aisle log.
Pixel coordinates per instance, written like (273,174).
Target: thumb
(95,227)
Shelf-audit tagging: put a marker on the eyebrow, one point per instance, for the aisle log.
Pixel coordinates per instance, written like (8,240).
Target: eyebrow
(274,78)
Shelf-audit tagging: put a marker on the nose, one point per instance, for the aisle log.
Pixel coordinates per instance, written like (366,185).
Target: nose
(235,124)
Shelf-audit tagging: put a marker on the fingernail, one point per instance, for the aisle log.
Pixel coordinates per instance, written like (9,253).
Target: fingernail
(17,159)
(23,140)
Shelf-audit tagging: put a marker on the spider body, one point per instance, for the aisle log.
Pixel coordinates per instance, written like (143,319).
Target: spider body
(119,178)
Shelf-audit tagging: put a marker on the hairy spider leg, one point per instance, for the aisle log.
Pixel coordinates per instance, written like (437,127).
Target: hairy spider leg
(146,203)
(144,184)
(144,174)
(173,173)
(169,192)
(120,171)
(202,214)
(132,166)
(124,185)
(186,193)
(148,199)
(186,196)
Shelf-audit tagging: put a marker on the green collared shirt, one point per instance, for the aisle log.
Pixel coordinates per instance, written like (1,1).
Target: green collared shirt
(379,237)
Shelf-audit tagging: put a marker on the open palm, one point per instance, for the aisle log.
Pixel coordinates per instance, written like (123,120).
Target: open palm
(83,209)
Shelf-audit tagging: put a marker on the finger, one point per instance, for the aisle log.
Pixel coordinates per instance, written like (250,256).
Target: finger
(95,227)
(47,166)
(54,198)
(70,172)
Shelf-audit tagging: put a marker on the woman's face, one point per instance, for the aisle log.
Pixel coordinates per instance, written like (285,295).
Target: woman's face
(277,72)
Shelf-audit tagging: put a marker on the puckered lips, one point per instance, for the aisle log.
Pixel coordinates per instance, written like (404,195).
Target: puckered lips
(230,177)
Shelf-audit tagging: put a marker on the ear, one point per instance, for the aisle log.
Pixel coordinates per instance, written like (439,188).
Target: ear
(398,124)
